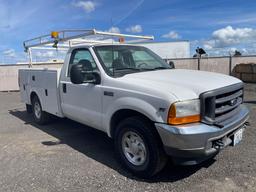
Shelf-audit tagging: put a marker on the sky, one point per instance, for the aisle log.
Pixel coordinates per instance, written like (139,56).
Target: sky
(219,26)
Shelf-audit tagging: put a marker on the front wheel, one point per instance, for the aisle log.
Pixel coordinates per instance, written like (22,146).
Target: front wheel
(41,117)
(139,148)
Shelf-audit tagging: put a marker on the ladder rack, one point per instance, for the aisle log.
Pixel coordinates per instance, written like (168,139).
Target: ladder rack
(69,38)
(62,40)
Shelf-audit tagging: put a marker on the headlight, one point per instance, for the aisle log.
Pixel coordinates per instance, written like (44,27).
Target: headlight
(184,112)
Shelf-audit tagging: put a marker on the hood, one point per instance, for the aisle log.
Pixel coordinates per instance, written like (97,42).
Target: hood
(183,84)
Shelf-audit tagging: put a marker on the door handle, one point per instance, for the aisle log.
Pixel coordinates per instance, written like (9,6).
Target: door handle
(64,88)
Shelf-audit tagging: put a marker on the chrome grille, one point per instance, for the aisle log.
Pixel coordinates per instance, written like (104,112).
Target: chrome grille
(220,104)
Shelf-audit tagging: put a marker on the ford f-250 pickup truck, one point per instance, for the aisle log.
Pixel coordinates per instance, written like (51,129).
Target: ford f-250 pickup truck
(151,110)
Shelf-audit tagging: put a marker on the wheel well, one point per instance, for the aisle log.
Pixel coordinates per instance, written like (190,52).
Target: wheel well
(121,115)
(32,95)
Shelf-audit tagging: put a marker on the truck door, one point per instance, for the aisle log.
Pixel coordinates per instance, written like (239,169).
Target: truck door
(83,102)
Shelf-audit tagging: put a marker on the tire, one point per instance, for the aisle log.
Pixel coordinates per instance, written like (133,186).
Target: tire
(150,157)
(40,117)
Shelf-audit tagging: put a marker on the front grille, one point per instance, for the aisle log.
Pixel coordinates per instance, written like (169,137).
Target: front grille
(221,104)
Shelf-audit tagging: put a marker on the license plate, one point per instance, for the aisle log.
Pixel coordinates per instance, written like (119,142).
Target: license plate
(238,136)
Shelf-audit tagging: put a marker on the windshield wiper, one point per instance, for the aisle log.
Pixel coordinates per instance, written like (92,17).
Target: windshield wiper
(152,69)
(156,68)
(125,68)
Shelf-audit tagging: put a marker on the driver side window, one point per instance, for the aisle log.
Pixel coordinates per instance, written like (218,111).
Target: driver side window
(82,56)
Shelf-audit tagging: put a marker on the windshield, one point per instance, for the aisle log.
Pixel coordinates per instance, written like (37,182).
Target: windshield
(119,60)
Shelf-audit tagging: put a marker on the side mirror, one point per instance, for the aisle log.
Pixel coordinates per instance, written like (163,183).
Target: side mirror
(79,76)
(171,63)
(76,74)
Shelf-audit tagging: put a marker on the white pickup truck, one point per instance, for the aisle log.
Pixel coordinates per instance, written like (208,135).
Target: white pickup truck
(149,109)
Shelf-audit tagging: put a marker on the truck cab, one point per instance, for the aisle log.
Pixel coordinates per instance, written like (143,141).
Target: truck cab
(151,110)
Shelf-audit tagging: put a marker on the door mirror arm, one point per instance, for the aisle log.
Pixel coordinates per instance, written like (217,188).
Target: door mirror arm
(94,77)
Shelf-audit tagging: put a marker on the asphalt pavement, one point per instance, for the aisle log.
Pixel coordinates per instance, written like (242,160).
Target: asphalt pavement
(68,156)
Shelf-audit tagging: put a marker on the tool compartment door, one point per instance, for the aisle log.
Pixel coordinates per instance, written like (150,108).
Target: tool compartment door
(44,83)
(23,85)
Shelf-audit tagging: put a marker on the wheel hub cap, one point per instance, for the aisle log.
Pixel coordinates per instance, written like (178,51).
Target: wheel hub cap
(134,148)
(37,110)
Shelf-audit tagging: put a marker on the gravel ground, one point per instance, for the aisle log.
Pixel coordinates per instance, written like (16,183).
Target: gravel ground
(67,156)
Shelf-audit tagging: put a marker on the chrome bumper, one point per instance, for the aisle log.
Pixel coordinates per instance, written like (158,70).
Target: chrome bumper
(193,143)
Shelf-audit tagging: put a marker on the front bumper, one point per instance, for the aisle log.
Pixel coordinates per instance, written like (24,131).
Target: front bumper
(193,143)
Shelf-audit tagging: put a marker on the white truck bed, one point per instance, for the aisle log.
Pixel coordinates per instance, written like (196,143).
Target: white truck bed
(44,82)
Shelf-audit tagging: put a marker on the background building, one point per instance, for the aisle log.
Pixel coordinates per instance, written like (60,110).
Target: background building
(168,50)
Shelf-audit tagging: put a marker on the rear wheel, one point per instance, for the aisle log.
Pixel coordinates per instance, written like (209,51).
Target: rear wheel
(139,148)
(40,117)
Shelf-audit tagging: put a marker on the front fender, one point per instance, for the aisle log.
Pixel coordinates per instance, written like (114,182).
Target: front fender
(148,109)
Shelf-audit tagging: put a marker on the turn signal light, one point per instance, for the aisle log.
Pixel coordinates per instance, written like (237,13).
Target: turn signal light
(184,120)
